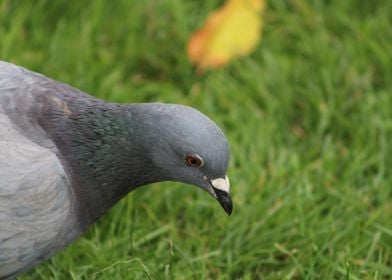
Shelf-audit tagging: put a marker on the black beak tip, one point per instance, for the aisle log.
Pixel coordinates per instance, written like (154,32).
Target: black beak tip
(228,207)
(225,201)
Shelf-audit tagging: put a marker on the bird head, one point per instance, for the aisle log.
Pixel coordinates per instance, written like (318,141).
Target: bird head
(188,147)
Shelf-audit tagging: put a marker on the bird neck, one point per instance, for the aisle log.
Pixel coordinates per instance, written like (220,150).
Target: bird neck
(104,154)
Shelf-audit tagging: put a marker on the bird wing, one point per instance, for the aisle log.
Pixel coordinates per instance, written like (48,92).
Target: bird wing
(35,200)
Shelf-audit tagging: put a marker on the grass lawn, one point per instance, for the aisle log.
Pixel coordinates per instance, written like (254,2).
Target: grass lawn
(309,120)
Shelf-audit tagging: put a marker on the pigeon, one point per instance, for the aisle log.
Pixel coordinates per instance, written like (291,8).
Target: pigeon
(67,157)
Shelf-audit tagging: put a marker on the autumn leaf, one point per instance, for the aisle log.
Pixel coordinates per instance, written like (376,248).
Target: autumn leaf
(230,32)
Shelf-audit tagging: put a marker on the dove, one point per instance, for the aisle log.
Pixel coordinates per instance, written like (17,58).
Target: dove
(67,157)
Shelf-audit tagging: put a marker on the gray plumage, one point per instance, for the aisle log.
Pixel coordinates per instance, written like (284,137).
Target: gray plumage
(67,157)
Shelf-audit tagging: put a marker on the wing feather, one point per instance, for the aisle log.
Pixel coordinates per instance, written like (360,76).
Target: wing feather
(36,216)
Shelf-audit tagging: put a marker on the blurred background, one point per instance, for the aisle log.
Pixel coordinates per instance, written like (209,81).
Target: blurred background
(308,115)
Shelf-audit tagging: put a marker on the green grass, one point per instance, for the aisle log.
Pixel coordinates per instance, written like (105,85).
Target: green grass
(309,120)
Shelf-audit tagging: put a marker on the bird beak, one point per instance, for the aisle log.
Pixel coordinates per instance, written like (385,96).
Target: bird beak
(221,187)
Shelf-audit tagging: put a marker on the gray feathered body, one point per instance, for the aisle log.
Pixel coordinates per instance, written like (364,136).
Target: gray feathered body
(36,212)
(65,159)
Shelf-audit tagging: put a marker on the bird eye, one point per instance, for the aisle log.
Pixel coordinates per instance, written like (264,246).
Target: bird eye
(194,161)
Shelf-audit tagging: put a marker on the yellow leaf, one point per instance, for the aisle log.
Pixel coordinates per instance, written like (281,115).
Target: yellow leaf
(231,31)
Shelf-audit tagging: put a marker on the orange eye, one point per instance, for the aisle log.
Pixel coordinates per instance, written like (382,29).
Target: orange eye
(194,160)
